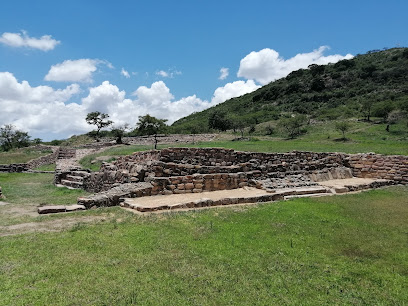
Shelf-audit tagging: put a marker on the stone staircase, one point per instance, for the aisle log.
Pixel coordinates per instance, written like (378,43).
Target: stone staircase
(66,153)
(75,180)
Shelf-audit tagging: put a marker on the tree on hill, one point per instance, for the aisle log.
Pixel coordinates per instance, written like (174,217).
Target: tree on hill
(99,120)
(366,108)
(343,127)
(149,125)
(292,125)
(119,132)
(11,138)
(218,121)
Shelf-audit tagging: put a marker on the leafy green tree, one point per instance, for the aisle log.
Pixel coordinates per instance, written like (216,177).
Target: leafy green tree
(394,117)
(99,120)
(366,108)
(119,132)
(37,141)
(218,121)
(11,138)
(382,109)
(343,127)
(292,125)
(149,125)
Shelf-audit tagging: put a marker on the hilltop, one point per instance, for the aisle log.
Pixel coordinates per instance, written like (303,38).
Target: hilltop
(370,84)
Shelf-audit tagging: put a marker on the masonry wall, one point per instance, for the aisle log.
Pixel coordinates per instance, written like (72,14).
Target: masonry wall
(184,170)
(34,163)
(390,167)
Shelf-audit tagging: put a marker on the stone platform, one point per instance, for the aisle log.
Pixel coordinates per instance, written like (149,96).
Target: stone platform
(216,198)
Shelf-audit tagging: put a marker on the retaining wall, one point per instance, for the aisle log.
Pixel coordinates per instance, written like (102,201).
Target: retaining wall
(390,167)
(34,163)
(194,170)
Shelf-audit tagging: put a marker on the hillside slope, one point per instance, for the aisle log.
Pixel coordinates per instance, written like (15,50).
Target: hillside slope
(322,91)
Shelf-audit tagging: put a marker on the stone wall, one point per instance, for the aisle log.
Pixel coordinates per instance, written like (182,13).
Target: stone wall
(34,163)
(14,168)
(43,160)
(194,170)
(175,162)
(390,167)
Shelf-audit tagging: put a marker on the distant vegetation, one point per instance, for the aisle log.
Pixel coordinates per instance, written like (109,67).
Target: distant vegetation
(370,85)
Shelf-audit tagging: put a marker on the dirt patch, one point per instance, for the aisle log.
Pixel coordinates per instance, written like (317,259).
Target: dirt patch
(354,181)
(48,226)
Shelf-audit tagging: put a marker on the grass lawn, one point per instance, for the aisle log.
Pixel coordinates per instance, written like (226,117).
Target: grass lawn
(36,188)
(349,249)
(20,156)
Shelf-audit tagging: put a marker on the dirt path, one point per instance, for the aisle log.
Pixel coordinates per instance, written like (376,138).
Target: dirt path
(48,226)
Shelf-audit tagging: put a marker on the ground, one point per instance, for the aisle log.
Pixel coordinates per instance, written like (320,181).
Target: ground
(343,249)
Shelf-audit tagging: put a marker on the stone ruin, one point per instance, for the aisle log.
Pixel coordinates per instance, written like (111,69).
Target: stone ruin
(196,170)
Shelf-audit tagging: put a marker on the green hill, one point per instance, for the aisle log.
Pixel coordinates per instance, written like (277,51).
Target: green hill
(370,84)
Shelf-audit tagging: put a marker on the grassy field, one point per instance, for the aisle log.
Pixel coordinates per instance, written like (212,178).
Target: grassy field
(21,155)
(38,188)
(349,249)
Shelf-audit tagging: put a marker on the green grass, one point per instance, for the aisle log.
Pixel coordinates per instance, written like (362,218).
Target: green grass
(348,249)
(50,167)
(20,156)
(36,188)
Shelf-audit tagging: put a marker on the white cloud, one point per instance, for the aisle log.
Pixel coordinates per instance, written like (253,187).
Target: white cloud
(232,90)
(162,73)
(47,113)
(75,70)
(125,73)
(224,72)
(171,73)
(266,65)
(40,110)
(22,40)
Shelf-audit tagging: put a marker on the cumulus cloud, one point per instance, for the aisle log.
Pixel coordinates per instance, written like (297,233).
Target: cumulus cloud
(267,65)
(224,72)
(232,90)
(75,70)
(125,73)
(22,40)
(40,109)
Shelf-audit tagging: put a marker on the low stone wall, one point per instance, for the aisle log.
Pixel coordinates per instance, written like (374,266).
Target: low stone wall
(389,167)
(194,170)
(43,160)
(113,196)
(197,183)
(34,163)
(14,168)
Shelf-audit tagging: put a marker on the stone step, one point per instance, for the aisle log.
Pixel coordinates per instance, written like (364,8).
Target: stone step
(80,173)
(304,191)
(203,202)
(52,209)
(74,178)
(72,184)
(310,195)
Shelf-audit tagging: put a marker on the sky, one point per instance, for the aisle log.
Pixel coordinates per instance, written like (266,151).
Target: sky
(60,60)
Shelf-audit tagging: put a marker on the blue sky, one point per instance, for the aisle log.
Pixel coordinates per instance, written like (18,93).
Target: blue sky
(127,58)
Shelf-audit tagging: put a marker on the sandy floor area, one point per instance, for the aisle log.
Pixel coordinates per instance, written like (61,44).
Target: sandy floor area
(191,197)
(343,182)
